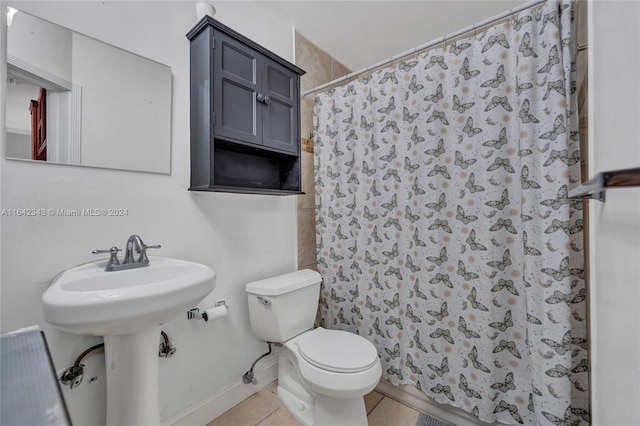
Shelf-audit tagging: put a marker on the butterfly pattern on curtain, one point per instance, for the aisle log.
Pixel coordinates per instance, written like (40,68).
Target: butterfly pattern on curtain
(444,231)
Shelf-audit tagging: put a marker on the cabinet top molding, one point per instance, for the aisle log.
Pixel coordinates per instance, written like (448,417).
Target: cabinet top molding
(209,21)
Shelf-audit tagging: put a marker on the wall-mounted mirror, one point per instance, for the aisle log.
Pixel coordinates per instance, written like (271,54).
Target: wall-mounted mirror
(72,99)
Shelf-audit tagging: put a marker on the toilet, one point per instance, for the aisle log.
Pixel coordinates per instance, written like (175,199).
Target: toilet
(323,374)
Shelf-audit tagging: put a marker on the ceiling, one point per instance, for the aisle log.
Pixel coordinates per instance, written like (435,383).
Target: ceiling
(360,33)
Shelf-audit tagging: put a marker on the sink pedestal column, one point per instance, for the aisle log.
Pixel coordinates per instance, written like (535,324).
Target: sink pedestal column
(132,378)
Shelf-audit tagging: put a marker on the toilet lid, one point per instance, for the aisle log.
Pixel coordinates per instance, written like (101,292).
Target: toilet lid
(338,351)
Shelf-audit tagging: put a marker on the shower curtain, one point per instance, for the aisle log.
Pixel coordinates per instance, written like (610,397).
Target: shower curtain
(444,231)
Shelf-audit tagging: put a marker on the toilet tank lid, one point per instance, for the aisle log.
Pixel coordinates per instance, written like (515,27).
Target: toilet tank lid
(282,284)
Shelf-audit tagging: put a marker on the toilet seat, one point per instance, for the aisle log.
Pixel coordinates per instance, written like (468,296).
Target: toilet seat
(337,351)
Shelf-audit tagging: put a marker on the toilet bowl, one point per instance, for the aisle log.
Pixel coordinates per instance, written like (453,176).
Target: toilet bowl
(323,374)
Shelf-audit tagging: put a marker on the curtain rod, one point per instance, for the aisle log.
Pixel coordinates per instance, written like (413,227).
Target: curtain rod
(427,45)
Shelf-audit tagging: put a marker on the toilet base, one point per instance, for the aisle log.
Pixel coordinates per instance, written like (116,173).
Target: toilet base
(340,411)
(326,411)
(303,411)
(312,408)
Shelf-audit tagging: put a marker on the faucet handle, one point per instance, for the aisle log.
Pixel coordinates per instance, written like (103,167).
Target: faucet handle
(143,252)
(113,251)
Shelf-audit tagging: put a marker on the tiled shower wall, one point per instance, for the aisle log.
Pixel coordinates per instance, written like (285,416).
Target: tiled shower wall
(582,85)
(321,68)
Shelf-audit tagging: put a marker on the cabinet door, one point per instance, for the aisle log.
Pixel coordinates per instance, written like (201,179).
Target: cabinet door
(280,116)
(236,79)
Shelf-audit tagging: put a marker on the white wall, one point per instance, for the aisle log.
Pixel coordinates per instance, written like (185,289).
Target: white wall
(18,145)
(139,93)
(614,99)
(19,98)
(41,44)
(242,237)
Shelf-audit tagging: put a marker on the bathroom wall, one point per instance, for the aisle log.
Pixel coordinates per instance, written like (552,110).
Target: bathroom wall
(41,44)
(106,83)
(614,103)
(242,237)
(321,68)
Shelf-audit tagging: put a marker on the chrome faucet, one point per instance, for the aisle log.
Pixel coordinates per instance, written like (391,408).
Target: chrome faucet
(134,243)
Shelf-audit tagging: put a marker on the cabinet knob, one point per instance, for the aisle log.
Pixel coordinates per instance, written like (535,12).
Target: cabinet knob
(262,98)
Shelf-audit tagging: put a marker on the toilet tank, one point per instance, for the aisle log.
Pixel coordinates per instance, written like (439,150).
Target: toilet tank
(284,306)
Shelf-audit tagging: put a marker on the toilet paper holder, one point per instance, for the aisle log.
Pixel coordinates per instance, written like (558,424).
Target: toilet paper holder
(196,314)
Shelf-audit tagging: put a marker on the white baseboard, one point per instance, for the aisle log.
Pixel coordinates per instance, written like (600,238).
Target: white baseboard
(208,409)
(421,402)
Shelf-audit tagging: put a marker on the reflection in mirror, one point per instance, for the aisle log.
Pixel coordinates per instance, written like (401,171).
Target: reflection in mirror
(74,100)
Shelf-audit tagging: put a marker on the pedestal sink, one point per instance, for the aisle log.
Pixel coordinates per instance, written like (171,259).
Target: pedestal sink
(127,308)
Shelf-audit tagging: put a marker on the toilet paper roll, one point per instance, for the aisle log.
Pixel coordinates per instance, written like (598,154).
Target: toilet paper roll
(215,313)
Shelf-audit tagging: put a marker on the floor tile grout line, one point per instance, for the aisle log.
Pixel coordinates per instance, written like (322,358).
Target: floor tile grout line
(268,415)
(376,404)
(401,402)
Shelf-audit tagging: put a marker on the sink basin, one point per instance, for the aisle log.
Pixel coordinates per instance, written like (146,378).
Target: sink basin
(88,300)
(127,308)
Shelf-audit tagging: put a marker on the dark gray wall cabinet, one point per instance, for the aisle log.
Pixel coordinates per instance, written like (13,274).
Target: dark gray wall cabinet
(245,114)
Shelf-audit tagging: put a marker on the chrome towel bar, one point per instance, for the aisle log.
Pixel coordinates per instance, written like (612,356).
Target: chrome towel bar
(596,187)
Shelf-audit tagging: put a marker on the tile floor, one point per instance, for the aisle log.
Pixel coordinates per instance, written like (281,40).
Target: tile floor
(264,409)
